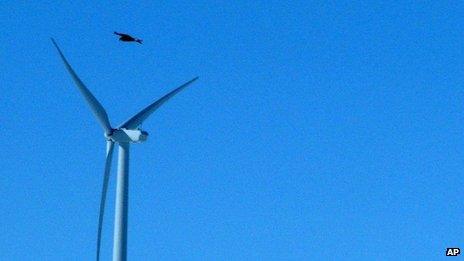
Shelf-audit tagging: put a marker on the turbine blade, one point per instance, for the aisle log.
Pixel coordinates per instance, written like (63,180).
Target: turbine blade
(145,113)
(96,107)
(106,176)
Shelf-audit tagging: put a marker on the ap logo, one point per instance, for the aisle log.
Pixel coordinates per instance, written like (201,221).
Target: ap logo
(453,251)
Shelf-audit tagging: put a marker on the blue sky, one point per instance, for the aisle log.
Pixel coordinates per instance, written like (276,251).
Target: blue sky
(324,130)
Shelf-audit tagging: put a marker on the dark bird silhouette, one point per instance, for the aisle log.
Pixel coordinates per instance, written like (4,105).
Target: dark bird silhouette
(128,38)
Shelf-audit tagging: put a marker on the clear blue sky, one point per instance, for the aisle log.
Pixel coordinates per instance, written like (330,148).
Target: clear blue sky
(331,130)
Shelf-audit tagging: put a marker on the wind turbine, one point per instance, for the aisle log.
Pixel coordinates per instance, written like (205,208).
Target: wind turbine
(126,133)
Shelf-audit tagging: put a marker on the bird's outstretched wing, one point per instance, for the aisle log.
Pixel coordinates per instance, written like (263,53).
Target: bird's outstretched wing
(120,34)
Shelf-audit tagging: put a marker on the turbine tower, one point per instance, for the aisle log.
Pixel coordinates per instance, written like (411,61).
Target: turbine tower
(126,133)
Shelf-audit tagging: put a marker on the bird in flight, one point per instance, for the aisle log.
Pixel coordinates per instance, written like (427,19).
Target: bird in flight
(128,38)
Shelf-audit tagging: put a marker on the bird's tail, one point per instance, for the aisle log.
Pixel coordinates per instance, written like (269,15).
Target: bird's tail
(139,41)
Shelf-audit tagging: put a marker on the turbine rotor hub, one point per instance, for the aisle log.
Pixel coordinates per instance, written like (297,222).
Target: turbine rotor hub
(126,135)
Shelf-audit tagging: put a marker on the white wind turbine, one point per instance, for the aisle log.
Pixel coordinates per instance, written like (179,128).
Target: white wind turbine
(126,133)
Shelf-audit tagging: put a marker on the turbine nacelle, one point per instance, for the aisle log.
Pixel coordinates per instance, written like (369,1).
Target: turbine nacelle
(124,135)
